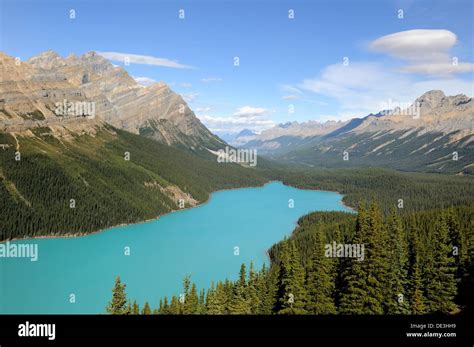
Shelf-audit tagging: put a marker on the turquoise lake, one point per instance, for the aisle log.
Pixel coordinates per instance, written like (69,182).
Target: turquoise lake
(200,242)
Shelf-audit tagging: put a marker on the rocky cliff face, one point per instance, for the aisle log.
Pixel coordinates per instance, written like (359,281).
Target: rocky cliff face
(31,91)
(432,112)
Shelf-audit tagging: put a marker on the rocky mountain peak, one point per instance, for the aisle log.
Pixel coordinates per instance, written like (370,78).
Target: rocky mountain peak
(96,62)
(431,99)
(460,99)
(31,90)
(46,60)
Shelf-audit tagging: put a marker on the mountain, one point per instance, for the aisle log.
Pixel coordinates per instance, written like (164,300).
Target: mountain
(289,136)
(78,185)
(434,134)
(246,132)
(433,112)
(237,139)
(31,91)
(83,147)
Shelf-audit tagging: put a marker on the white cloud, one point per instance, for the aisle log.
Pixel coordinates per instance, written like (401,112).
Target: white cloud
(190,97)
(211,79)
(250,112)
(203,109)
(246,117)
(425,51)
(416,44)
(450,86)
(144,81)
(180,84)
(143,59)
(289,89)
(291,97)
(235,124)
(358,86)
(439,68)
(363,88)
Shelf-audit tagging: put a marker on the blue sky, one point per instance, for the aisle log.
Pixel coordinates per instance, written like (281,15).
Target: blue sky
(285,64)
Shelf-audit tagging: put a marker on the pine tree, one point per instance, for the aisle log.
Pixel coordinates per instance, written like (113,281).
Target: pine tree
(128,310)
(396,300)
(239,303)
(191,302)
(118,304)
(165,307)
(417,298)
(365,281)
(190,296)
(175,306)
(202,302)
(135,308)
(216,299)
(266,289)
(466,287)
(146,309)
(455,235)
(292,294)
(319,280)
(440,277)
(354,284)
(376,262)
(251,293)
(337,269)
(457,241)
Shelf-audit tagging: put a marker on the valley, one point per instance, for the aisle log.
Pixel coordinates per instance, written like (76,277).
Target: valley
(439,140)
(68,182)
(236,168)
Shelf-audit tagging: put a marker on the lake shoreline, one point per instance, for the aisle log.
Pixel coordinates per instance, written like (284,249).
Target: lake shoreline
(85,234)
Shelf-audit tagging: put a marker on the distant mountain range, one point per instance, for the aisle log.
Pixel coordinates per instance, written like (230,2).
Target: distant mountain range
(238,139)
(435,133)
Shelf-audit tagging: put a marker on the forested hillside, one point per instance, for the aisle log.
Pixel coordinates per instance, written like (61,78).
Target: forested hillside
(50,186)
(417,191)
(413,264)
(36,191)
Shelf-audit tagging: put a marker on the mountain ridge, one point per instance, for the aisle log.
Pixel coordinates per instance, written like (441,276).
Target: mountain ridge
(31,89)
(422,137)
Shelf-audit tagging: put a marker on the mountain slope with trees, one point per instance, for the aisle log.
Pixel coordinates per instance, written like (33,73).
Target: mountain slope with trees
(50,186)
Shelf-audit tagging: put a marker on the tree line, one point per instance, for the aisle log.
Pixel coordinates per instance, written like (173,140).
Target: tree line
(419,263)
